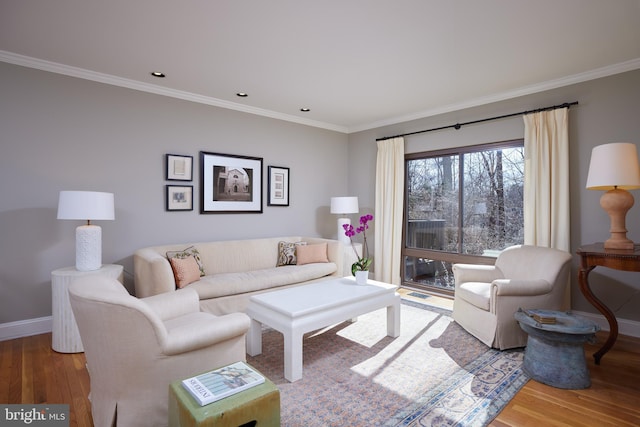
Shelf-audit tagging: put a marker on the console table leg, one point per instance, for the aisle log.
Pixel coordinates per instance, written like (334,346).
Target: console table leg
(583,278)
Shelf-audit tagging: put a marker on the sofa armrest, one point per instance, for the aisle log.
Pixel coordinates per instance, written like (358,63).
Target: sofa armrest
(463,273)
(152,273)
(520,287)
(174,304)
(201,330)
(335,252)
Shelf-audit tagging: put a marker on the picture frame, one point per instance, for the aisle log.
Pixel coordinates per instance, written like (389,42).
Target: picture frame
(179,198)
(230,183)
(178,167)
(278,186)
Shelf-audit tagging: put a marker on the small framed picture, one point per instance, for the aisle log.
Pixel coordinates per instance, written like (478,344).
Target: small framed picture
(179,168)
(278,186)
(179,198)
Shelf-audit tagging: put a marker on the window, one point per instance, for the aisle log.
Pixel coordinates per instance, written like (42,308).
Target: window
(461,205)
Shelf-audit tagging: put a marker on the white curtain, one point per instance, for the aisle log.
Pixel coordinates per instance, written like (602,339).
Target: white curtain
(389,210)
(546,182)
(546,179)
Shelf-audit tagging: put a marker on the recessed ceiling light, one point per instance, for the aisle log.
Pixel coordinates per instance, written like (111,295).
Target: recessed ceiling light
(158,74)
(242,94)
(305,110)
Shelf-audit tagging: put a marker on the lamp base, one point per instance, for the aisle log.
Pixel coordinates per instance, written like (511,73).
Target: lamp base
(617,203)
(619,244)
(341,236)
(88,247)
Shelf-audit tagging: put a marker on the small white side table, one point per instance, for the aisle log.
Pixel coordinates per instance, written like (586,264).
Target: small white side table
(65,337)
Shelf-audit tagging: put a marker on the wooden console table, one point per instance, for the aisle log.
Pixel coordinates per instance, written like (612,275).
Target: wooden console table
(592,256)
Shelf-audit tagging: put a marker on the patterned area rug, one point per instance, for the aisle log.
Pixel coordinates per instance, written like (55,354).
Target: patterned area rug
(434,374)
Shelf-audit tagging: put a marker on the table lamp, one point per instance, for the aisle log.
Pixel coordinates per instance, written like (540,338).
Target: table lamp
(343,206)
(87,206)
(614,167)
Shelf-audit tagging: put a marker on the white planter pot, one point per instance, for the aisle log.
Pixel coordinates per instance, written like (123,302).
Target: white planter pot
(361,277)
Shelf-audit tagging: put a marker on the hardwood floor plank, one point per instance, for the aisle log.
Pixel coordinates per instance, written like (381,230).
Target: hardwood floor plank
(40,360)
(15,374)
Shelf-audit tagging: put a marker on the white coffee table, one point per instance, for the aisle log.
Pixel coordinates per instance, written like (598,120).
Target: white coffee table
(298,310)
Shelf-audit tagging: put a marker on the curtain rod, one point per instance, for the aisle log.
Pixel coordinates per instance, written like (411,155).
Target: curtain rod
(459,125)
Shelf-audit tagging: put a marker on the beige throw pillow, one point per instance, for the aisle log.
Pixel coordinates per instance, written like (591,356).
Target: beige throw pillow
(185,270)
(312,253)
(287,253)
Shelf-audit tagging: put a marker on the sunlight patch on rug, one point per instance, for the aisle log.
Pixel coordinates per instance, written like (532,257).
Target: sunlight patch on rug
(434,373)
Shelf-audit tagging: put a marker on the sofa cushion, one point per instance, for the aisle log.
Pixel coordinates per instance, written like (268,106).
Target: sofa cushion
(287,252)
(185,270)
(312,253)
(224,284)
(191,251)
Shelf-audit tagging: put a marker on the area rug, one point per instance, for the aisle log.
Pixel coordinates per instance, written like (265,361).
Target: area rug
(433,374)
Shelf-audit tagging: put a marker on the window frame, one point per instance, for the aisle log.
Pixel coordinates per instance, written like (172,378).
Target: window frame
(445,256)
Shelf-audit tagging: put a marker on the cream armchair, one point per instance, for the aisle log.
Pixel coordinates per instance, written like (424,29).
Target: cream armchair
(487,296)
(136,347)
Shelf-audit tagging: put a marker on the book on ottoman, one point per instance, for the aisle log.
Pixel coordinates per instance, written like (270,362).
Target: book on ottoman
(222,382)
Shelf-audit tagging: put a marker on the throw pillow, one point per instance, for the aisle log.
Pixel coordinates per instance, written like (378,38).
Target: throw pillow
(185,270)
(312,253)
(287,252)
(191,251)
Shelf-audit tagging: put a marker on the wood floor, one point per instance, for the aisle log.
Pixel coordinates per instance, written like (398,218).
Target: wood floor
(31,372)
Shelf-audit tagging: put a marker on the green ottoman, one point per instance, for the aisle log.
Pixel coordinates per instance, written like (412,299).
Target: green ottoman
(257,406)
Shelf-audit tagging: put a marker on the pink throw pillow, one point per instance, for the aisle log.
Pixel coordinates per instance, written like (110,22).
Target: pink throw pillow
(185,270)
(312,253)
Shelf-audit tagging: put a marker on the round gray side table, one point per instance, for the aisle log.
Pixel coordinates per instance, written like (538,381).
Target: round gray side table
(555,352)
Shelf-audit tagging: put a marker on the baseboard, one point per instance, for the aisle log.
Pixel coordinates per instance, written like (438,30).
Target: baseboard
(25,328)
(625,327)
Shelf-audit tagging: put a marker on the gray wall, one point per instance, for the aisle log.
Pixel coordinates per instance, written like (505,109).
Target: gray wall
(607,112)
(62,133)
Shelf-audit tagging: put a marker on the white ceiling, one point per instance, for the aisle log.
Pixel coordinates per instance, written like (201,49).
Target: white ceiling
(356,64)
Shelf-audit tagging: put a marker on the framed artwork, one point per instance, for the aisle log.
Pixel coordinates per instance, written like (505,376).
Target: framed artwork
(278,194)
(179,168)
(179,198)
(230,184)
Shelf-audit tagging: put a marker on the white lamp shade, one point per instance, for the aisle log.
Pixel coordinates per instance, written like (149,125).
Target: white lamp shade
(85,205)
(344,205)
(614,165)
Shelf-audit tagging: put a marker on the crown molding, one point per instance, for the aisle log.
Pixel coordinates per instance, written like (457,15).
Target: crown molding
(609,70)
(82,73)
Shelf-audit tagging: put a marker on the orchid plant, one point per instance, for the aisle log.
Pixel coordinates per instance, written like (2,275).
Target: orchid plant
(364,262)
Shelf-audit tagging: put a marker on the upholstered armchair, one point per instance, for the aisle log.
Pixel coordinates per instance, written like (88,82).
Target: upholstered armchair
(136,347)
(487,296)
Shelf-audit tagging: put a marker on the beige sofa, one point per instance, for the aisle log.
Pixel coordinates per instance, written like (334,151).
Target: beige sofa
(235,269)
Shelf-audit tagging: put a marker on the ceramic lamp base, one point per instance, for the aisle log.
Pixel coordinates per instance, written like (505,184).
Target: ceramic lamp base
(341,236)
(617,203)
(88,247)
